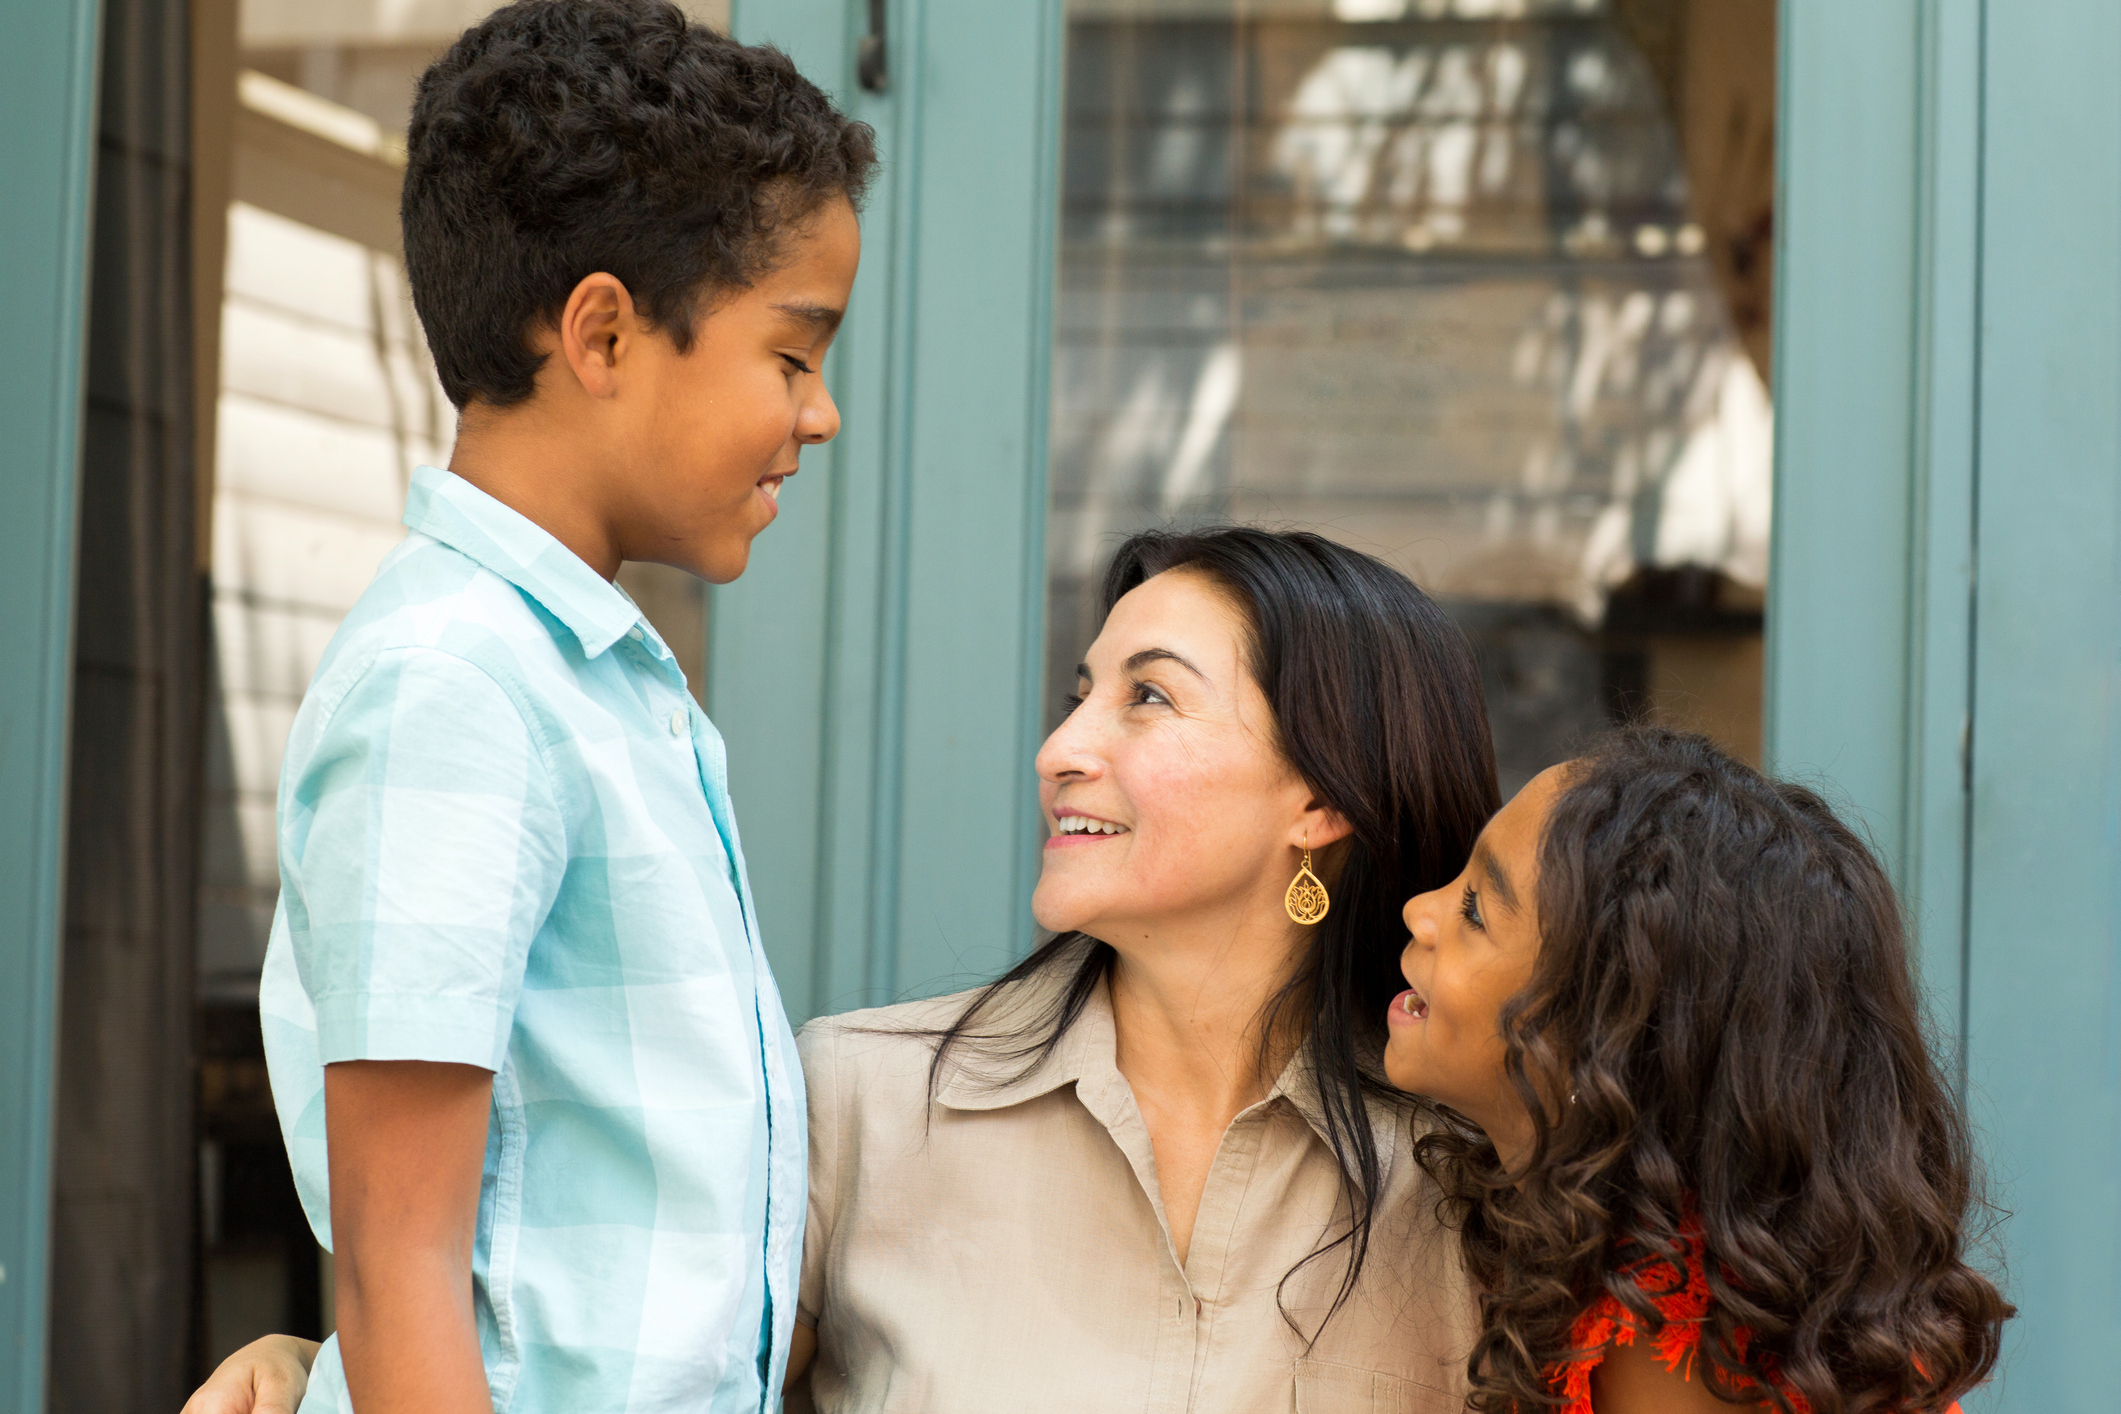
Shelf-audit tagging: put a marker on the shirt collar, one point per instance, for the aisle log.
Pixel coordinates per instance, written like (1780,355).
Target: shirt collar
(450,509)
(980,1078)
(983,1075)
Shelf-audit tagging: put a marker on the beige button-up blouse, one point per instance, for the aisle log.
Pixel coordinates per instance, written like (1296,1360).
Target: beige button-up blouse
(1004,1250)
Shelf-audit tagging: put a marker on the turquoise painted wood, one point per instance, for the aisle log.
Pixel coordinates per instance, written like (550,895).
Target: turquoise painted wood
(1932,753)
(1847,382)
(47,105)
(1945,614)
(2044,918)
(1871,579)
(876,671)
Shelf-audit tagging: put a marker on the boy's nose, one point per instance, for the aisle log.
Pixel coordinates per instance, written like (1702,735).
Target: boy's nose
(819,420)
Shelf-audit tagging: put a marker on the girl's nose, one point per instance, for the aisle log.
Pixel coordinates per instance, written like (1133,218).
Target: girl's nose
(1420,917)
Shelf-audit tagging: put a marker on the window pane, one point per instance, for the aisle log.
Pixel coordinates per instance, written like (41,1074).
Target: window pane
(1429,278)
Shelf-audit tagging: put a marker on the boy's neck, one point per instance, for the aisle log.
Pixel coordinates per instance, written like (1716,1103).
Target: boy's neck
(522,459)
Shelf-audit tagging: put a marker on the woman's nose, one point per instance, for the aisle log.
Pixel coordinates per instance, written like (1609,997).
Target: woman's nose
(1065,754)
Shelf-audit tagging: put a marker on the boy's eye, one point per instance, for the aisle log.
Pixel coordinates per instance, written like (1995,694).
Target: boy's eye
(1469,909)
(797,364)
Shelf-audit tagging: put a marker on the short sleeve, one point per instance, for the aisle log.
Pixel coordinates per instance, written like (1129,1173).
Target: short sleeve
(819,1046)
(425,848)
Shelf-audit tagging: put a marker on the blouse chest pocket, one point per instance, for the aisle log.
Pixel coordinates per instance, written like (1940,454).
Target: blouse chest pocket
(1323,1388)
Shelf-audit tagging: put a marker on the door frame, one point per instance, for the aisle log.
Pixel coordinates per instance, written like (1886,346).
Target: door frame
(48,80)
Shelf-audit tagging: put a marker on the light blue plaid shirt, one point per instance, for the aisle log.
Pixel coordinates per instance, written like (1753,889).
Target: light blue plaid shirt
(506,841)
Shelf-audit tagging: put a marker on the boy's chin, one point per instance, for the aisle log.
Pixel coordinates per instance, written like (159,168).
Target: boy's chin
(722,561)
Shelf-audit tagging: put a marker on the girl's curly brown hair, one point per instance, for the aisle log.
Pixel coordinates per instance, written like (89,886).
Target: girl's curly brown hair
(1723,1022)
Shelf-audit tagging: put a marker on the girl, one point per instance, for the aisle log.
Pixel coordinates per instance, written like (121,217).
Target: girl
(1687,1125)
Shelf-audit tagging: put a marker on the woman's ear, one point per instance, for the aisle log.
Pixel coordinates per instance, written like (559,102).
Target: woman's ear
(1320,826)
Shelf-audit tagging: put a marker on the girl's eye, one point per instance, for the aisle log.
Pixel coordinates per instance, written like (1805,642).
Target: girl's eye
(1469,909)
(797,364)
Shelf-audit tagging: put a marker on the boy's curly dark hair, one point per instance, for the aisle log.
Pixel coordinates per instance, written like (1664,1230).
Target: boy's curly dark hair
(557,138)
(1724,989)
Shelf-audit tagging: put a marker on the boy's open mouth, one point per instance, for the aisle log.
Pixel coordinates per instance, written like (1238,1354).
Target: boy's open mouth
(771,485)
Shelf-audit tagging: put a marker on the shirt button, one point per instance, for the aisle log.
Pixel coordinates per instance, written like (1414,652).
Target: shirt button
(677,723)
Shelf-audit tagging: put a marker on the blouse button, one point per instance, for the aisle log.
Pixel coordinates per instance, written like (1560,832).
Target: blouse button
(677,723)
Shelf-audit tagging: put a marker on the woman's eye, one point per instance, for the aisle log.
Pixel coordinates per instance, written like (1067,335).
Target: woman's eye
(1146,695)
(1070,702)
(1469,909)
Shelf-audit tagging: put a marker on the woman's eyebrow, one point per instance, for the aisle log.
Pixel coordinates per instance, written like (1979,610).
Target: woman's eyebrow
(1498,877)
(1161,655)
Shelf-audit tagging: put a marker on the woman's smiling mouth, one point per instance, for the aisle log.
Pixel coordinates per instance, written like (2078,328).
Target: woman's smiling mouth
(1082,829)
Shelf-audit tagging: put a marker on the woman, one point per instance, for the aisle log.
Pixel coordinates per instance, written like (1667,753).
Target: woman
(1157,1166)
(1699,1149)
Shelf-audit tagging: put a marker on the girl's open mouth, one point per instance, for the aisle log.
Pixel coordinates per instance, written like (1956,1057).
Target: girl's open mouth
(1407,1008)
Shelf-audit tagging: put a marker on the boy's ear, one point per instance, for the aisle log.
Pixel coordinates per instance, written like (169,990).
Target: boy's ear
(597,327)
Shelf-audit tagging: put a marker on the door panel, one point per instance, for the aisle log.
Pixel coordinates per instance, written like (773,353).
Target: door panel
(2043,993)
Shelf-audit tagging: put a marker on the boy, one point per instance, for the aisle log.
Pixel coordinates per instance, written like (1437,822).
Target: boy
(536,1083)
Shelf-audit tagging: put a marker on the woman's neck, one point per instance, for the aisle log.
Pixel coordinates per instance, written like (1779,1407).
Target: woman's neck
(1187,1021)
(1186,1018)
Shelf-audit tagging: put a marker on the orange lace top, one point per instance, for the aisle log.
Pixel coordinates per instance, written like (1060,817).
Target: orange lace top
(1682,1299)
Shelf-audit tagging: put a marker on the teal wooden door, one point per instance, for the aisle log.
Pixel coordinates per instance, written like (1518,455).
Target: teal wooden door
(1945,612)
(47,104)
(876,672)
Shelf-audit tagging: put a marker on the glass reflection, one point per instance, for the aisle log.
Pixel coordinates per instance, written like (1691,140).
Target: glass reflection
(1424,277)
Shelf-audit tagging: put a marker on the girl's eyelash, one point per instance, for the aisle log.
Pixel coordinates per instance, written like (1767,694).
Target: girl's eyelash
(1469,909)
(804,367)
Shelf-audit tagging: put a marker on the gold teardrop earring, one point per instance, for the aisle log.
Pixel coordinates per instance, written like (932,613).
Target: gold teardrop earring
(1307,900)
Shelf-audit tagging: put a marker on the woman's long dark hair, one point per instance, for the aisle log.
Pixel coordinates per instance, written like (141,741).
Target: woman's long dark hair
(1377,705)
(1724,993)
